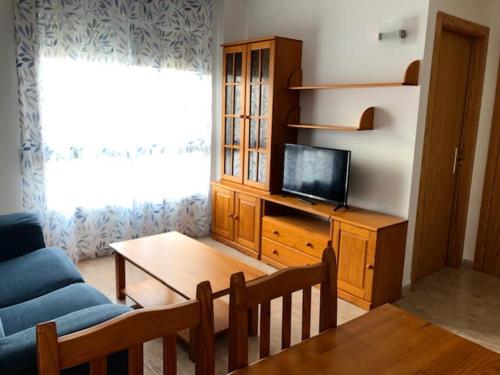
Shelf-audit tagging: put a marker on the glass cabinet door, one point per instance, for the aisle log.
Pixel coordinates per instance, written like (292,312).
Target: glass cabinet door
(257,132)
(233,113)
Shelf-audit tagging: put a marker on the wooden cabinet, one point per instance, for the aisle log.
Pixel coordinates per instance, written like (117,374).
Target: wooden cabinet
(256,107)
(236,219)
(355,251)
(369,246)
(247,221)
(222,212)
(370,262)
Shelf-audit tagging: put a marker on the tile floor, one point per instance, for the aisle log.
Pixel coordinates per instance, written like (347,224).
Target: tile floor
(463,301)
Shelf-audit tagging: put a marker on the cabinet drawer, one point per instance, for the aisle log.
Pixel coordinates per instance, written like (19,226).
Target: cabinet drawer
(284,254)
(296,237)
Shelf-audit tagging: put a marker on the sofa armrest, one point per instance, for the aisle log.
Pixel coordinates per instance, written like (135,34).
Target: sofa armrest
(18,351)
(20,234)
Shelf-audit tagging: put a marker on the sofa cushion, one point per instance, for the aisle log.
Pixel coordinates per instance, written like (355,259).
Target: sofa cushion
(50,306)
(20,234)
(34,274)
(18,351)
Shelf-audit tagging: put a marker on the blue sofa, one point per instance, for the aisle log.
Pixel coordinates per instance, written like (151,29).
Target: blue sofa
(38,284)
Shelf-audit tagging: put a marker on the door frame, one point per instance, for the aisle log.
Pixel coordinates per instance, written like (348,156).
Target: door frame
(489,182)
(480,34)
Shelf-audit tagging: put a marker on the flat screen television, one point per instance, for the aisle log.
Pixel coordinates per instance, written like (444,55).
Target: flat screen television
(318,173)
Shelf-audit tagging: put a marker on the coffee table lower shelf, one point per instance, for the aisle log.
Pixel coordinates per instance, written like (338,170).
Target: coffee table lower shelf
(152,293)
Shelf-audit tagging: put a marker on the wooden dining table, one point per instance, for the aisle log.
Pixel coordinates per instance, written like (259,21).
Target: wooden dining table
(387,340)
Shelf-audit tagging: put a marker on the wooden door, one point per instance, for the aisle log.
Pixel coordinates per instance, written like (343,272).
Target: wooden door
(449,143)
(222,212)
(233,117)
(355,251)
(260,72)
(247,221)
(487,257)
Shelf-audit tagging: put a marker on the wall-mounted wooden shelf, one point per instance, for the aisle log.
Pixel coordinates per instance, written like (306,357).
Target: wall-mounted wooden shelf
(410,79)
(365,123)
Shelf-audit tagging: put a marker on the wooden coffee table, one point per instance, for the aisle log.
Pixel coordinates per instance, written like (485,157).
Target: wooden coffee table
(177,264)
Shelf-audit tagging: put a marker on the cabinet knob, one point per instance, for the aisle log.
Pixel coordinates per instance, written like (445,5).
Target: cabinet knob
(242,116)
(308,244)
(275,252)
(370,266)
(236,217)
(231,215)
(276,233)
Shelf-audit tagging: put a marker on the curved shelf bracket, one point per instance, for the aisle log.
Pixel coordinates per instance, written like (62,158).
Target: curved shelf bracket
(412,73)
(295,79)
(366,120)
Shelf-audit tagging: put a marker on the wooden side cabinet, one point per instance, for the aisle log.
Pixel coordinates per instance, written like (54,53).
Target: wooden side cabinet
(370,263)
(236,219)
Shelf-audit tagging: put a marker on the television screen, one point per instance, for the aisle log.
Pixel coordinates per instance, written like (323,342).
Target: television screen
(314,172)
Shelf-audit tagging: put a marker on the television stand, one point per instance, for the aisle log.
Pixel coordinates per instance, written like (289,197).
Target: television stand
(306,201)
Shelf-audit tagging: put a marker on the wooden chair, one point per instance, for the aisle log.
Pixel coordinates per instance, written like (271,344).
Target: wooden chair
(247,297)
(129,332)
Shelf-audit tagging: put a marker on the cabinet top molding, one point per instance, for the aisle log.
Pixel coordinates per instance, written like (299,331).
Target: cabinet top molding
(257,40)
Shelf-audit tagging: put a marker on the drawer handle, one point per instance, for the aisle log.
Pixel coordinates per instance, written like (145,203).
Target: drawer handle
(308,244)
(370,266)
(275,252)
(236,218)
(276,233)
(231,215)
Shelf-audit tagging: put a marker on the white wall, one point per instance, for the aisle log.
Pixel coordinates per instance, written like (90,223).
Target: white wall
(10,174)
(485,12)
(340,45)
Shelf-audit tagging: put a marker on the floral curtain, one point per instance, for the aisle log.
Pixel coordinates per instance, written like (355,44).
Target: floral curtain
(115,115)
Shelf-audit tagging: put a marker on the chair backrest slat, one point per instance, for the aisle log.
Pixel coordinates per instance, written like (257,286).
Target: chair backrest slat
(99,366)
(246,296)
(306,313)
(286,319)
(129,332)
(265,328)
(281,283)
(169,355)
(136,360)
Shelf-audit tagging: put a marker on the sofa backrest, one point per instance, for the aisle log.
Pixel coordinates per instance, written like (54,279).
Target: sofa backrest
(20,233)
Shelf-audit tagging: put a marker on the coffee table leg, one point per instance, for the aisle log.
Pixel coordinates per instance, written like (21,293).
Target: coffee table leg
(120,276)
(253,321)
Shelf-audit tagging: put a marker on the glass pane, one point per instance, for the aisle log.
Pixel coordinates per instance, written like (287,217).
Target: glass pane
(263,134)
(229,68)
(236,163)
(237,99)
(237,67)
(229,100)
(227,162)
(264,106)
(227,137)
(265,65)
(253,133)
(237,131)
(254,63)
(262,167)
(252,166)
(254,100)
